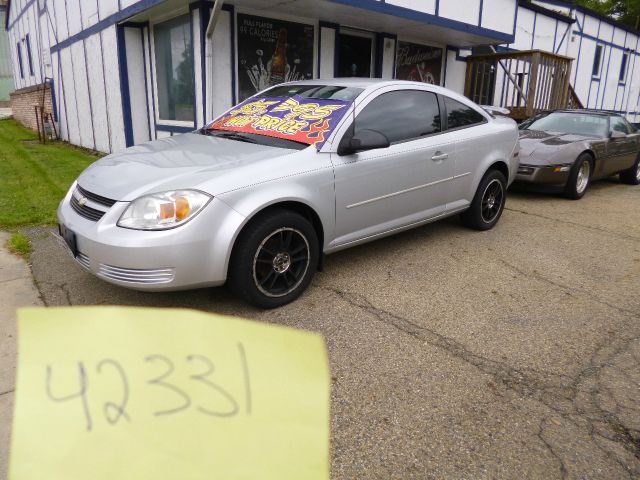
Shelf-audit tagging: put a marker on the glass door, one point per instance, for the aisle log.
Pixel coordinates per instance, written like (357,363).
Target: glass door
(355,54)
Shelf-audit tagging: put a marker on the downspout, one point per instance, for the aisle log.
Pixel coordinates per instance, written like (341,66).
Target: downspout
(215,14)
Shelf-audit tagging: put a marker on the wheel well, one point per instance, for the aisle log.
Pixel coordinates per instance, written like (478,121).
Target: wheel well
(500,167)
(305,210)
(590,153)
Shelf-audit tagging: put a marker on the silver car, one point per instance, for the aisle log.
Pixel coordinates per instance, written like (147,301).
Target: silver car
(259,196)
(570,148)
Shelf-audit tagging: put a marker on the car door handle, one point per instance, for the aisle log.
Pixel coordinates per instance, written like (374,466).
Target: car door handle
(439,157)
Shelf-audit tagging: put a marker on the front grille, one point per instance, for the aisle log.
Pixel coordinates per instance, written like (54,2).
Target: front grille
(85,211)
(107,202)
(133,275)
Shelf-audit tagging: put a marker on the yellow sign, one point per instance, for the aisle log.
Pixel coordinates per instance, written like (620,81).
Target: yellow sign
(110,393)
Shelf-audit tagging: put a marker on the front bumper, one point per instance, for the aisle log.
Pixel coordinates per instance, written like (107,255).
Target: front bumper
(192,255)
(544,175)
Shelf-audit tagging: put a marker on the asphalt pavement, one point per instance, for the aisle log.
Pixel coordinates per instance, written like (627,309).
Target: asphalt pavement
(513,353)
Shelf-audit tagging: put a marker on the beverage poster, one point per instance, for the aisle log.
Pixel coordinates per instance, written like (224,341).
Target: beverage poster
(418,63)
(272,51)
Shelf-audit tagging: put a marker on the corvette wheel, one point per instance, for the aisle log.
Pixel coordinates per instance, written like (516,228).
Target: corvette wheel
(488,202)
(274,259)
(579,178)
(632,176)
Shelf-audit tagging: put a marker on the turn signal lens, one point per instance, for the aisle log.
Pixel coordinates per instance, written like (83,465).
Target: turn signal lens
(160,211)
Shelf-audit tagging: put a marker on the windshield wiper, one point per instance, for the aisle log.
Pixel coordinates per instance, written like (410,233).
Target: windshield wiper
(229,135)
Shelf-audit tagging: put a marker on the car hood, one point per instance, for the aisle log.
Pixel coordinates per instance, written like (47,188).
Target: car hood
(537,146)
(183,161)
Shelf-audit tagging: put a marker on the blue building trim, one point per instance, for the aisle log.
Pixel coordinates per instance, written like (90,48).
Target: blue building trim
(533,35)
(54,102)
(622,83)
(575,75)
(29,58)
(234,71)
(606,76)
(146,83)
(480,13)
(426,18)
(106,23)
(592,80)
(19,15)
(564,35)
(19,52)
(124,86)
(555,36)
(153,92)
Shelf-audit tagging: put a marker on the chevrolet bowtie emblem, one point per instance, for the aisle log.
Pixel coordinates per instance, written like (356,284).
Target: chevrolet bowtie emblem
(82,201)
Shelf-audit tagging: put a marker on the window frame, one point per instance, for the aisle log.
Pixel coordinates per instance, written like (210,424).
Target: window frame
(630,128)
(445,119)
(152,57)
(624,68)
(598,74)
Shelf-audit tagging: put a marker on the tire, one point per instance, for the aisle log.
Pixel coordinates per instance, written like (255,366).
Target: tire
(579,177)
(632,176)
(488,202)
(274,259)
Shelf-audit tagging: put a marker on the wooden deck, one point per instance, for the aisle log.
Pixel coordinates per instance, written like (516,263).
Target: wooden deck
(525,82)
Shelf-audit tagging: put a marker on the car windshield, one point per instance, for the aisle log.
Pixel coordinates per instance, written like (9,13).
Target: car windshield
(286,116)
(567,122)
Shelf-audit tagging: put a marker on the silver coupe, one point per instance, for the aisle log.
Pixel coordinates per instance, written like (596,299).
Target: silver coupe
(257,197)
(570,148)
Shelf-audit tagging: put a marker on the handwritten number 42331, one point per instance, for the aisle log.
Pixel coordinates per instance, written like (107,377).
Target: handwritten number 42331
(114,412)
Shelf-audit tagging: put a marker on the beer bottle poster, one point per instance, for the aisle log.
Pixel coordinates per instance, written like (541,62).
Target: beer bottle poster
(272,51)
(418,63)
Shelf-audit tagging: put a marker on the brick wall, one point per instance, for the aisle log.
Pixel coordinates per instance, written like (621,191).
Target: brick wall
(24,100)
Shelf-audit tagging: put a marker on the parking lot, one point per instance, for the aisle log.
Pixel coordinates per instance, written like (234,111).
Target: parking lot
(463,354)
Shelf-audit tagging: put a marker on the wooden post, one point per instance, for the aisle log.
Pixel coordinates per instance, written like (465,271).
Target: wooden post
(533,81)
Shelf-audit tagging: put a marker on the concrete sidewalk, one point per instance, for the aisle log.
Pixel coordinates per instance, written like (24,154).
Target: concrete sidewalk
(16,290)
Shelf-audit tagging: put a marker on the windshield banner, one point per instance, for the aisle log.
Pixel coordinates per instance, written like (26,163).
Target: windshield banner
(306,120)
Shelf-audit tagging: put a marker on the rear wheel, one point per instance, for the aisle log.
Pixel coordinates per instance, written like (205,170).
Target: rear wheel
(579,178)
(274,259)
(488,202)
(632,176)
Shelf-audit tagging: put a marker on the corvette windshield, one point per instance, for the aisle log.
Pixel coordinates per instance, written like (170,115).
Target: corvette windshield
(566,122)
(284,114)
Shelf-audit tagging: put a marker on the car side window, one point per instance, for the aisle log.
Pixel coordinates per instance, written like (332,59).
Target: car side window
(460,115)
(401,115)
(619,124)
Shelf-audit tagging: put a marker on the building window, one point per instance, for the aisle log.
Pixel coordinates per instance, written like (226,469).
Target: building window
(28,44)
(597,62)
(174,69)
(623,68)
(418,63)
(20,60)
(272,51)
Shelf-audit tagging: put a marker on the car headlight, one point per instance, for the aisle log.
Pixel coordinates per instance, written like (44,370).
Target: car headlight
(161,211)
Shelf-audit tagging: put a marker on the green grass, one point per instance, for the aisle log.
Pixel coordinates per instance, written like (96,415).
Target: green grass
(20,244)
(34,177)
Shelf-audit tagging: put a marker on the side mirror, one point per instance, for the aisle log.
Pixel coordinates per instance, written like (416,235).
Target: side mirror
(617,134)
(362,141)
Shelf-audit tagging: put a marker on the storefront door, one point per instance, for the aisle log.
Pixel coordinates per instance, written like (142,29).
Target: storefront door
(355,54)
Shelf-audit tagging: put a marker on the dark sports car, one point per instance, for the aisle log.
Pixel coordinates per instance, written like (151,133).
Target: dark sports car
(570,148)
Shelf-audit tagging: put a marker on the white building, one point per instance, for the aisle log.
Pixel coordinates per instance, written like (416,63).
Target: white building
(124,71)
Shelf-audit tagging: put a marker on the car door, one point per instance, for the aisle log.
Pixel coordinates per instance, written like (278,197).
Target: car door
(380,190)
(466,127)
(621,151)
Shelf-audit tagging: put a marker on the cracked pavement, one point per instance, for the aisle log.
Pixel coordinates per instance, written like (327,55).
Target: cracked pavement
(462,354)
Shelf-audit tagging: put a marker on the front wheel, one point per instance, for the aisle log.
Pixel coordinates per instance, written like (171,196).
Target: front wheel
(632,176)
(579,178)
(488,202)
(274,259)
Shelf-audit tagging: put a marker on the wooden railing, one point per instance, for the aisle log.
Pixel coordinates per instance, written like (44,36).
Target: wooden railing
(525,82)
(573,100)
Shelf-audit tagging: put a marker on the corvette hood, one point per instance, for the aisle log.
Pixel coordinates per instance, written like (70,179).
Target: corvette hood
(542,146)
(179,162)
